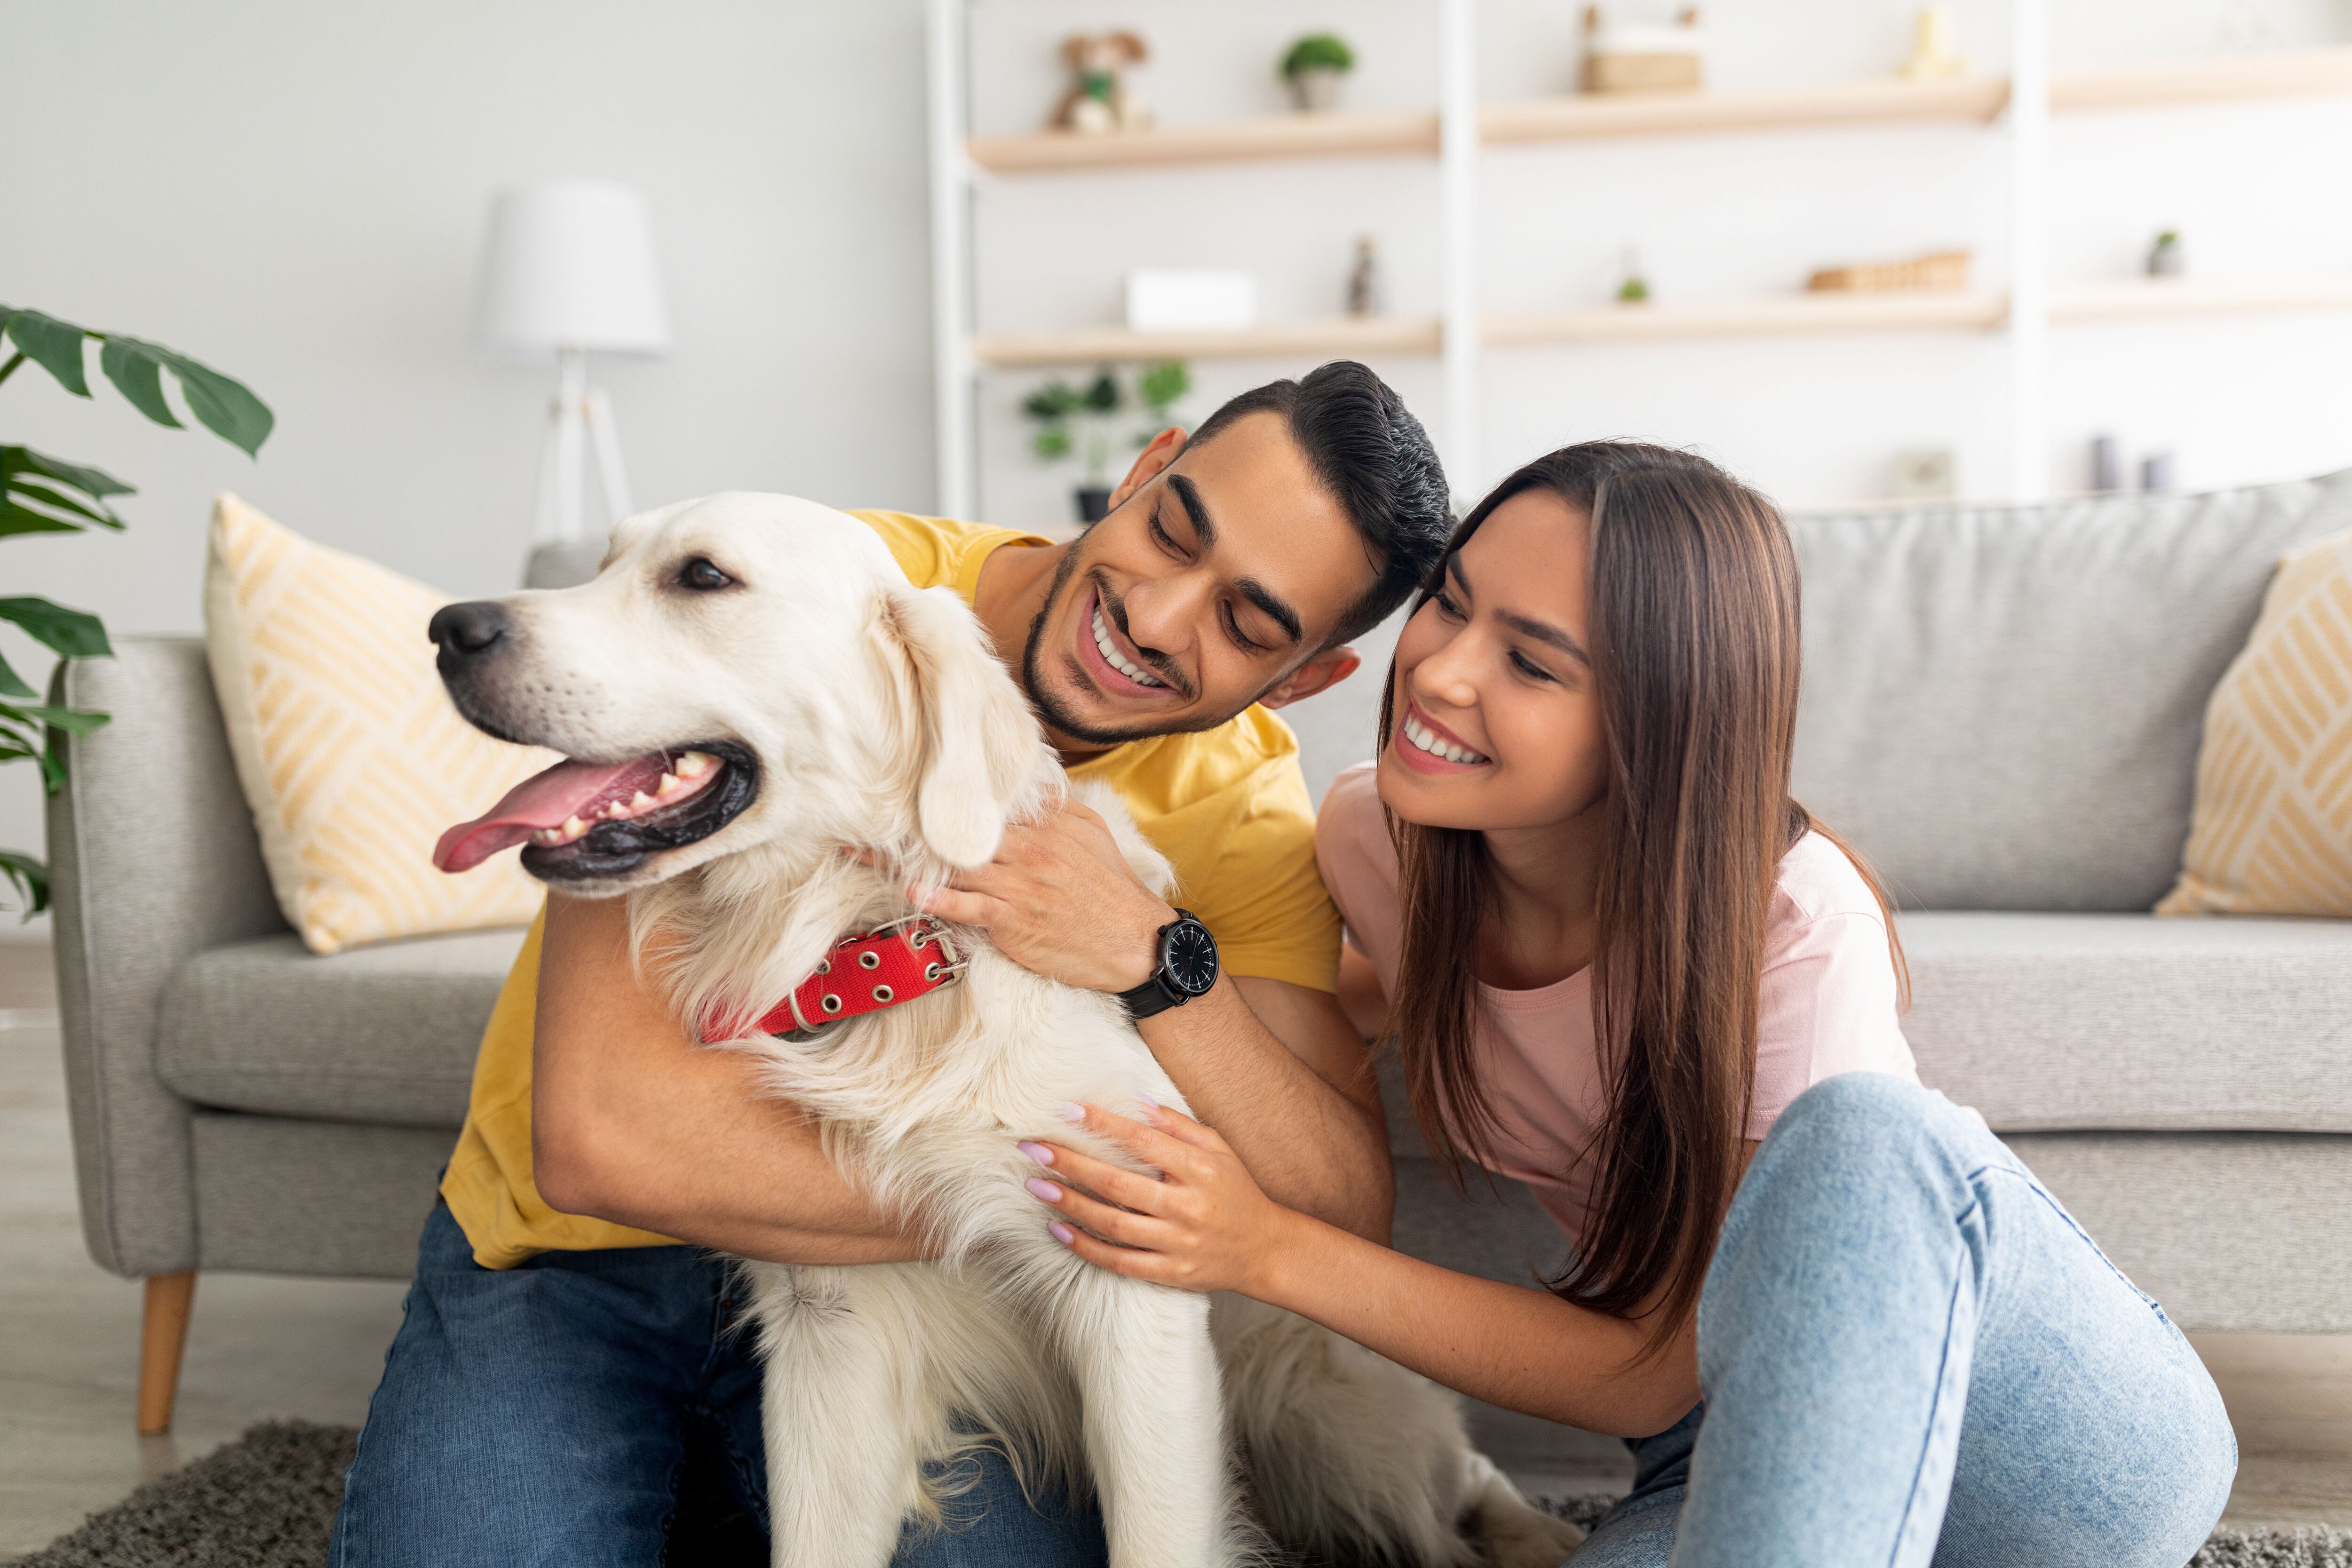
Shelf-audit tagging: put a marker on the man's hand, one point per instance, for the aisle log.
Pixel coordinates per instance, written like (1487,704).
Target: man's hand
(1060,901)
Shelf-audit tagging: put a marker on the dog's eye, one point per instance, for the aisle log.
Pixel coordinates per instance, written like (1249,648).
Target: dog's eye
(701,576)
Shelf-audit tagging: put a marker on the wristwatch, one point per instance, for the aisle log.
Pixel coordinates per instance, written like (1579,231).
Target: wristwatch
(1188,968)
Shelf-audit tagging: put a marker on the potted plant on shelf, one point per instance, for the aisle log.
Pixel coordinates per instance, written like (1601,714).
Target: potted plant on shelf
(40,494)
(1075,421)
(1314,68)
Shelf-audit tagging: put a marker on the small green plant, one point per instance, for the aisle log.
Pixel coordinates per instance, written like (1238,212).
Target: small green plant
(40,494)
(1075,421)
(1319,51)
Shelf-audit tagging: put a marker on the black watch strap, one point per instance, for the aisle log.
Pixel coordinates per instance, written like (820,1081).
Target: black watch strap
(1186,953)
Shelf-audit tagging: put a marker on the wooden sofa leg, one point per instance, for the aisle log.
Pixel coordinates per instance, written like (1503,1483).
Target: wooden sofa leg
(163,1335)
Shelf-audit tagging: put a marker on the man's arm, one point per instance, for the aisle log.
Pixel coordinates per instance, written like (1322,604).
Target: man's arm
(1275,1067)
(636,1122)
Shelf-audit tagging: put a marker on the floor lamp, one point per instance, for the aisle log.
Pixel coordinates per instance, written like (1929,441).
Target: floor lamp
(571,271)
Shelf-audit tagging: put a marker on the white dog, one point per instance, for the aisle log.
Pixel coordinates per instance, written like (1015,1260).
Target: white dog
(750,687)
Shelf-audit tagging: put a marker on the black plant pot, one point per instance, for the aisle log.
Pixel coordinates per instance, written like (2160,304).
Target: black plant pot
(1094,502)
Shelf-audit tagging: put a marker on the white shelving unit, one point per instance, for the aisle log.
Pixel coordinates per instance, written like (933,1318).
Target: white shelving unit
(1460,127)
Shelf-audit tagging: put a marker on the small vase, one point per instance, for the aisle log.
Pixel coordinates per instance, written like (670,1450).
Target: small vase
(1094,503)
(1316,87)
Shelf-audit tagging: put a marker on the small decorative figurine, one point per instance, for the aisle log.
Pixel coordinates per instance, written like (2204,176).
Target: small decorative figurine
(1933,56)
(2165,257)
(2156,474)
(1315,67)
(1634,57)
(2107,466)
(1364,279)
(1098,102)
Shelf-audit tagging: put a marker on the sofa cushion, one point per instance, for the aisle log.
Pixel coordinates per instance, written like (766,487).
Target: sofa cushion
(383,1034)
(2068,1023)
(2001,705)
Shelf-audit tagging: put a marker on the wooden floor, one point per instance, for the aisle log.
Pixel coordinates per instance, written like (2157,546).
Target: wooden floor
(261,1347)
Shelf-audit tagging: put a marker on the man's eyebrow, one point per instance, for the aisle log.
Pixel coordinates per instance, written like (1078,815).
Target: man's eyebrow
(1197,509)
(1258,594)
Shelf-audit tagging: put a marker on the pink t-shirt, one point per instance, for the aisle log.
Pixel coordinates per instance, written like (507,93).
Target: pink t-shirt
(1829,1000)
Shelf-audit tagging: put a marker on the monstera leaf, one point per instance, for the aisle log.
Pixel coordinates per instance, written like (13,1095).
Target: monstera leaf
(41,494)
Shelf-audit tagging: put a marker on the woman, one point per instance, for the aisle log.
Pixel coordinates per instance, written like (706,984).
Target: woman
(1836,1319)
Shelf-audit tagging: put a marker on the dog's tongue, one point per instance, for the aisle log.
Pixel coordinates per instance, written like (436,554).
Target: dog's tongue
(546,800)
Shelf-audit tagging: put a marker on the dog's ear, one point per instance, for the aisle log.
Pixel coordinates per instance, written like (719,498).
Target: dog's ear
(979,740)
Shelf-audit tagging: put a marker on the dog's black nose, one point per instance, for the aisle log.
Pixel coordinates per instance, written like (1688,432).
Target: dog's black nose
(467,631)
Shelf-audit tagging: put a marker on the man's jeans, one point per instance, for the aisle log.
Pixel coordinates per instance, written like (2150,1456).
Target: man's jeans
(1910,1355)
(543,1414)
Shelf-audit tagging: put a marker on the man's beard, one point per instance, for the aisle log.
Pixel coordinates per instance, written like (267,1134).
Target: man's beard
(1057,715)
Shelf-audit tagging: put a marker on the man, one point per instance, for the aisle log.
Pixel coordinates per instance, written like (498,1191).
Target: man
(562,1353)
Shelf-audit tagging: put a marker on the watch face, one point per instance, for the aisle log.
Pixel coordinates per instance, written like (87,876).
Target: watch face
(1189,955)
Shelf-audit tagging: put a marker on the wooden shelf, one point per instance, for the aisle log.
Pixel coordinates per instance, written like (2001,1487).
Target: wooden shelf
(1920,311)
(2135,298)
(2284,73)
(1971,100)
(1345,336)
(1277,136)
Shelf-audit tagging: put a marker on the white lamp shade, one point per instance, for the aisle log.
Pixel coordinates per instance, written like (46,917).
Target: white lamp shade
(572,266)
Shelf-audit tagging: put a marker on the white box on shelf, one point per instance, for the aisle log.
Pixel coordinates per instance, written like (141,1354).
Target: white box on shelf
(1170,299)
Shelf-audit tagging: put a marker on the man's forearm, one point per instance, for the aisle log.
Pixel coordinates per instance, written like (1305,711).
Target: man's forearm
(636,1123)
(1311,1146)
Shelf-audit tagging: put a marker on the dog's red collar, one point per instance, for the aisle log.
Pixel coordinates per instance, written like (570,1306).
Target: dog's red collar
(868,972)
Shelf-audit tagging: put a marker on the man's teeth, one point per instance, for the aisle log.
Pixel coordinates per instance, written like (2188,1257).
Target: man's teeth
(1426,739)
(1110,650)
(676,782)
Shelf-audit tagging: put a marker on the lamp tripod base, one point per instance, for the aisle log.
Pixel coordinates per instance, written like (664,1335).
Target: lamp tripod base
(579,421)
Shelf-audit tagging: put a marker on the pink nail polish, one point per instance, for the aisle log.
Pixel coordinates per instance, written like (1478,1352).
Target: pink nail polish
(1070,1111)
(1149,1103)
(1062,1233)
(1045,1189)
(1037,1152)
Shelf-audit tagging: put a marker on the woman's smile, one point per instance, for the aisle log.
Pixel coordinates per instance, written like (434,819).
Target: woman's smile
(1426,746)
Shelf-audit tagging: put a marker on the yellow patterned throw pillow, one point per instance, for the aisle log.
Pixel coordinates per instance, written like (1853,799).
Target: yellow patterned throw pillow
(2271,834)
(352,757)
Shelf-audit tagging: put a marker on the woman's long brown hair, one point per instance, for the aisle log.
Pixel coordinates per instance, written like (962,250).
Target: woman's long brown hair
(1693,633)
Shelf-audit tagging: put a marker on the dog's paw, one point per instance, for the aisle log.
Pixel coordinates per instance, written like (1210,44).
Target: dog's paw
(1523,1537)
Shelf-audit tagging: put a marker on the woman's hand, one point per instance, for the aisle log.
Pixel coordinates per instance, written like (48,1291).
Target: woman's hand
(1202,1226)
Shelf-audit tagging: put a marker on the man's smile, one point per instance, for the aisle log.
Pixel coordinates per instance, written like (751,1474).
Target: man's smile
(1110,661)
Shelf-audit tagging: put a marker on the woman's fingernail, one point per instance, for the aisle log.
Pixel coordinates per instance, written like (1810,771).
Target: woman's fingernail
(1069,1110)
(1149,1103)
(1045,1189)
(1037,1152)
(1062,1233)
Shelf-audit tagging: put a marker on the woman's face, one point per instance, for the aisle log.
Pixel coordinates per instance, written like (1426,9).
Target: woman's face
(1497,725)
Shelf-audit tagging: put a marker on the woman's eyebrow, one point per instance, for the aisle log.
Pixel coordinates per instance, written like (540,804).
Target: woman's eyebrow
(1545,632)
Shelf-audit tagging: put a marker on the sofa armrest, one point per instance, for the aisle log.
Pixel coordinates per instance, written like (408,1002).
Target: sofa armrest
(152,858)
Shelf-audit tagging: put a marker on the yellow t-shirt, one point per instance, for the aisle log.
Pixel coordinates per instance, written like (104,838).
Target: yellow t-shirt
(1228,806)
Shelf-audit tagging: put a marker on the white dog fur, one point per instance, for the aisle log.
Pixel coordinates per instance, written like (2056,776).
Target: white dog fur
(882,719)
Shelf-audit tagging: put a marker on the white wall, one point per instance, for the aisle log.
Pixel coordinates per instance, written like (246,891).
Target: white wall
(294,191)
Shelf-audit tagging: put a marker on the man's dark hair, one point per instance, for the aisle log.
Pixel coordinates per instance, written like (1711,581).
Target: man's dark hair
(1376,460)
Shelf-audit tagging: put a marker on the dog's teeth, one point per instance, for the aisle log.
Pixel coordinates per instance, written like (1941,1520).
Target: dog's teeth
(669,785)
(548,836)
(574,827)
(693,765)
(640,800)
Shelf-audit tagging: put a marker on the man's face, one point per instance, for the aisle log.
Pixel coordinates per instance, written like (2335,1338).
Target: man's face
(1211,584)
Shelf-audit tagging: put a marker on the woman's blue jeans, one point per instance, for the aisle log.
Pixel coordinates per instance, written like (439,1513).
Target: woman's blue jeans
(1910,1355)
(544,1415)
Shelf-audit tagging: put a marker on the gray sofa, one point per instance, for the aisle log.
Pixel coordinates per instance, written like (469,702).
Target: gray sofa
(2001,709)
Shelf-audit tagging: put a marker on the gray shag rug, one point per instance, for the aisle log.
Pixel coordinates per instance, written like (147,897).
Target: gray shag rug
(269,1499)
